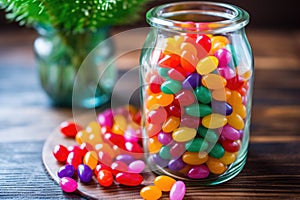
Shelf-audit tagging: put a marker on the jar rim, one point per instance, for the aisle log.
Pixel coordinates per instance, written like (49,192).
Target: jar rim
(228,17)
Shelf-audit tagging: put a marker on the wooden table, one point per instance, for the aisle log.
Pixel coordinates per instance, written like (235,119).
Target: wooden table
(272,170)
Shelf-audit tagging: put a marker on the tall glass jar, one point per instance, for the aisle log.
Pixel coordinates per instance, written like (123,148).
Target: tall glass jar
(197,78)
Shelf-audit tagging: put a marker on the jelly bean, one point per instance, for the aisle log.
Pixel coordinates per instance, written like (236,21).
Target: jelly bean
(105,158)
(170,61)
(198,172)
(155,82)
(230,133)
(184,134)
(93,127)
(184,98)
(203,94)
(120,122)
(175,110)
(153,129)
(188,47)
(126,158)
(213,81)
(176,164)
(235,98)
(188,61)
(177,74)
(224,56)
(215,166)
(60,153)
(69,129)
(164,183)
(221,107)
(198,110)
(130,134)
(82,136)
(106,118)
(236,121)
(177,149)
(86,147)
(100,167)
(231,146)
(195,158)
(115,139)
(105,147)
(118,166)
(134,148)
(85,173)
(94,139)
(170,87)
(228,158)
(234,83)
(171,46)
(68,184)
(66,171)
(163,72)
(157,116)
(164,138)
(150,192)
(164,99)
(154,145)
(74,159)
(226,72)
(105,178)
(189,121)
(177,191)
(129,179)
(164,152)
(204,41)
(207,65)
(136,166)
(208,134)
(221,94)
(77,150)
(240,109)
(196,145)
(217,151)
(159,161)
(192,81)
(171,124)
(214,121)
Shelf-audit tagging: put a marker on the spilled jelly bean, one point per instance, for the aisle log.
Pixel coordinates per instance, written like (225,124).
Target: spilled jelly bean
(68,184)
(177,191)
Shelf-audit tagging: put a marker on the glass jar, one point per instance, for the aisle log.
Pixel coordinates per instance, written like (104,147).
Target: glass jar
(75,69)
(197,78)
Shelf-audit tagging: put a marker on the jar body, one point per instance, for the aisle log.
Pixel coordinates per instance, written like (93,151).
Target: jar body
(74,69)
(196,97)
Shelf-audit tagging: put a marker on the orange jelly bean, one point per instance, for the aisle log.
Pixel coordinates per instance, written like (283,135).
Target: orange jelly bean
(163,182)
(215,166)
(154,145)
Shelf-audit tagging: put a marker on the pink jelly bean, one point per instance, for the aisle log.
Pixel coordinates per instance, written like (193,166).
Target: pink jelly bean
(157,116)
(136,166)
(177,191)
(177,149)
(184,98)
(224,56)
(106,118)
(68,184)
(226,72)
(189,121)
(230,133)
(131,135)
(198,172)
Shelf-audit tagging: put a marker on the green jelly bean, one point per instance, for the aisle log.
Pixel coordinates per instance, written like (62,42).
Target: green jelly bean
(170,87)
(198,110)
(203,94)
(163,72)
(164,152)
(217,151)
(208,134)
(230,48)
(196,145)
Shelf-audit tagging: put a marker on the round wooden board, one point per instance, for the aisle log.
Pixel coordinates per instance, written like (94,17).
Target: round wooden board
(93,189)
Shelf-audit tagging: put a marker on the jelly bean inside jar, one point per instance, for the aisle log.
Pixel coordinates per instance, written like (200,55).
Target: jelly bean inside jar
(194,108)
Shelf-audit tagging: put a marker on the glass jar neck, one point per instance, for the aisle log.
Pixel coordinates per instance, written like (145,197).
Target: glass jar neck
(198,17)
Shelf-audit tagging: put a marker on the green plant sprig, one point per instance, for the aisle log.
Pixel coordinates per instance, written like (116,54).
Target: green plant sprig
(73,16)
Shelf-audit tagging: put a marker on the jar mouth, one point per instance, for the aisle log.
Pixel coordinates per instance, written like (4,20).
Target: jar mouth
(198,17)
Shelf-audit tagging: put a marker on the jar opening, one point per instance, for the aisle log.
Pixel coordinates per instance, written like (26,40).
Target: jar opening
(195,17)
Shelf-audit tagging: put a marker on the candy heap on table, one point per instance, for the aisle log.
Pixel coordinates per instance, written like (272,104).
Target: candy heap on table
(195,97)
(110,150)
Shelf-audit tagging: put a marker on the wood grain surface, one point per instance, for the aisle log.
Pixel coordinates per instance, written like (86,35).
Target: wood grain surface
(272,170)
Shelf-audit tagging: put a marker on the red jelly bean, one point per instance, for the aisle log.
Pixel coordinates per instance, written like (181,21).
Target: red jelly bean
(188,61)
(177,74)
(175,110)
(155,82)
(74,159)
(118,166)
(77,150)
(100,167)
(230,145)
(234,83)
(115,139)
(204,41)
(134,148)
(61,153)
(157,116)
(105,178)
(69,129)
(170,61)
(129,179)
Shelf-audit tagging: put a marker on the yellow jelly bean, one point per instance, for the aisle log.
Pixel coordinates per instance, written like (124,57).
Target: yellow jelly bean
(164,99)
(214,121)
(184,134)
(93,127)
(121,122)
(207,65)
(150,192)
(215,166)
(154,145)
(171,46)
(95,139)
(235,98)
(235,121)
(91,159)
(228,158)
(163,182)
(195,158)
(171,124)
(221,94)
(240,109)
(190,48)
(213,81)
(82,136)
(151,102)
(218,42)
(105,148)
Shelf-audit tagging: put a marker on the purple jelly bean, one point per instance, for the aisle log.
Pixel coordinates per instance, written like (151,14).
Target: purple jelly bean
(131,135)
(106,118)
(177,149)
(159,161)
(192,81)
(164,138)
(66,171)
(226,72)
(177,191)
(224,56)
(198,172)
(126,158)
(136,166)
(176,164)
(230,133)
(221,107)
(68,184)
(85,173)
(189,121)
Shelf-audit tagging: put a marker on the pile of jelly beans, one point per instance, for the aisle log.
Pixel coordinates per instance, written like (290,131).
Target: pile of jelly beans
(194,102)
(109,150)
